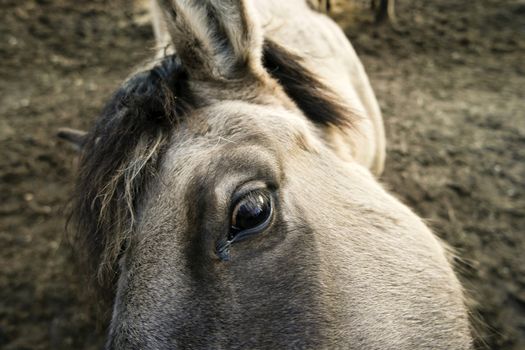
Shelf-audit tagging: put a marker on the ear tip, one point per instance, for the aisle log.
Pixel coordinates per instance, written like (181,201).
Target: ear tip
(61,133)
(65,132)
(73,136)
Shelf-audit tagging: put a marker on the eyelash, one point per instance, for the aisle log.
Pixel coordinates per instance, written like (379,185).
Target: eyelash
(224,243)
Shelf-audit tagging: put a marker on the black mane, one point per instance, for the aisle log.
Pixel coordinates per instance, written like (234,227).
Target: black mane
(120,154)
(317,101)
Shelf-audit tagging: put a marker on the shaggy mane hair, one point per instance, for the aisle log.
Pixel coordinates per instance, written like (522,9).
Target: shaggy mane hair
(318,102)
(119,155)
(122,152)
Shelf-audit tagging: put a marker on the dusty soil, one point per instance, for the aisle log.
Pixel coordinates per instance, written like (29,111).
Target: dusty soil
(451,82)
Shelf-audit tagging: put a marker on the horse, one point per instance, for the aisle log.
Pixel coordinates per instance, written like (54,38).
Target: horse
(228,197)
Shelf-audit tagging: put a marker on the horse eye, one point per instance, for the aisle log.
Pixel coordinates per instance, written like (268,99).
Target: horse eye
(251,214)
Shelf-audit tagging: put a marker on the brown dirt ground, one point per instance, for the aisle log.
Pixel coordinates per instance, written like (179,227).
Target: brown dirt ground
(450,77)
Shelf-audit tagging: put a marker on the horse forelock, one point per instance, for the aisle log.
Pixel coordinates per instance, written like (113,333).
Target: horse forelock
(122,152)
(119,157)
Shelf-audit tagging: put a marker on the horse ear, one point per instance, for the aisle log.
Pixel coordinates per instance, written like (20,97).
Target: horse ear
(214,38)
(160,29)
(76,138)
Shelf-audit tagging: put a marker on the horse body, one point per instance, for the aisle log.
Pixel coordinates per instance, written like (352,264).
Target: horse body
(331,56)
(226,196)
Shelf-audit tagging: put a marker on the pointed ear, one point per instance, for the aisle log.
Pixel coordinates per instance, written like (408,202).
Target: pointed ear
(214,38)
(76,138)
(162,36)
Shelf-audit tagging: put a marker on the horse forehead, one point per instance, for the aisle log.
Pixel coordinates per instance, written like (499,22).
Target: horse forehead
(239,119)
(240,130)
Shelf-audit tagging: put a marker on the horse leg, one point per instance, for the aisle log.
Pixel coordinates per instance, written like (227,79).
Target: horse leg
(384,10)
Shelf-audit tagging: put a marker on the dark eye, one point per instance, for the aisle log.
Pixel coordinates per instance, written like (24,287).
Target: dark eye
(251,214)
